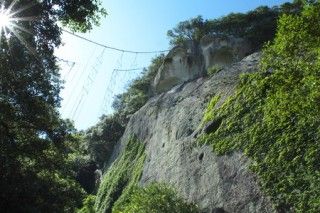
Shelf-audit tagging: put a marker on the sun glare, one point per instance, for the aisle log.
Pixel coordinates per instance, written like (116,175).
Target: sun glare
(10,22)
(4,20)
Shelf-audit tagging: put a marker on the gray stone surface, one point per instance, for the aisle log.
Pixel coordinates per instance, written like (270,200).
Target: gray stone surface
(212,126)
(223,50)
(180,65)
(188,62)
(167,123)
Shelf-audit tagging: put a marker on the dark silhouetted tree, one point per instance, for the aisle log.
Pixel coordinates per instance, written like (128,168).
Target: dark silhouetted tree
(34,173)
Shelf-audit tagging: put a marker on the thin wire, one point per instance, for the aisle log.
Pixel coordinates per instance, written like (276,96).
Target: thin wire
(88,84)
(134,62)
(110,86)
(65,61)
(66,75)
(114,48)
(71,65)
(74,85)
(128,70)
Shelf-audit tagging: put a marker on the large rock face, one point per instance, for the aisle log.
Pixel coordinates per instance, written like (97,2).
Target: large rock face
(180,65)
(188,62)
(223,50)
(168,123)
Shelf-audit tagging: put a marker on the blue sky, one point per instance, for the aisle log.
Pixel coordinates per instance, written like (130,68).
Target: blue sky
(139,25)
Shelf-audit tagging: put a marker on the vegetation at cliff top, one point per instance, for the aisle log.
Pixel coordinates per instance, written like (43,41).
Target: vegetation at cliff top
(274,116)
(257,26)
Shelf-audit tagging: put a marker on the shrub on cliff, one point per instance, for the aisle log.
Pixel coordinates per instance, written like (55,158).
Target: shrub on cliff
(157,198)
(88,205)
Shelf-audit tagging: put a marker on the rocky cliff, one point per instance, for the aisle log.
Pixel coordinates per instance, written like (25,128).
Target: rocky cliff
(262,129)
(192,60)
(169,125)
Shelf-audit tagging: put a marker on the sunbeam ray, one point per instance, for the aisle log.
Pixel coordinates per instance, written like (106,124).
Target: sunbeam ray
(0,35)
(31,18)
(22,9)
(10,7)
(24,42)
(5,32)
(20,28)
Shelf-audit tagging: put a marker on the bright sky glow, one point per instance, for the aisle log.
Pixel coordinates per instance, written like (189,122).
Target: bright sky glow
(4,20)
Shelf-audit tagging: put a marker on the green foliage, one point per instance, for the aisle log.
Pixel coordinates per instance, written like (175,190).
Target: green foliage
(258,26)
(76,17)
(208,115)
(36,175)
(77,152)
(88,205)
(193,29)
(274,116)
(101,138)
(214,69)
(121,178)
(138,92)
(156,198)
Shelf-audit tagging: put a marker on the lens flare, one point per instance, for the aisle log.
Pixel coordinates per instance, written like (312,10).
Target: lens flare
(10,23)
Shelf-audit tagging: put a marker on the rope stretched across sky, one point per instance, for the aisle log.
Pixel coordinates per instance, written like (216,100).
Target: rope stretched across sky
(114,48)
(109,93)
(127,70)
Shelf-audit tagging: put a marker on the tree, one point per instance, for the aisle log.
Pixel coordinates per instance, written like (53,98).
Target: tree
(193,29)
(101,138)
(35,176)
(257,26)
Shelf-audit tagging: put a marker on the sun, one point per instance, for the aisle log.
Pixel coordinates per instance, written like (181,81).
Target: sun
(4,20)
(10,22)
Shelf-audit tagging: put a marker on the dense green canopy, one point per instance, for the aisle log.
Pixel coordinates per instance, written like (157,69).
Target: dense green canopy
(34,140)
(258,25)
